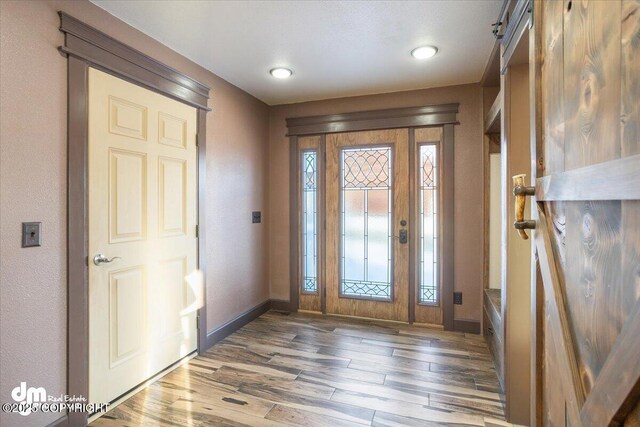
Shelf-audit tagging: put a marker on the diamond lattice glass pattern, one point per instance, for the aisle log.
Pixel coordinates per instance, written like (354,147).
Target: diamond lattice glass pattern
(366,223)
(429,278)
(309,222)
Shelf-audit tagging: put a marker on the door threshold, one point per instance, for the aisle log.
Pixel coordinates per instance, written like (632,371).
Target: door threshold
(429,325)
(317,313)
(367,318)
(419,325)
(114,404)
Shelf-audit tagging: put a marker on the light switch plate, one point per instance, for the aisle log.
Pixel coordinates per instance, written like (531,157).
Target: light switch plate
(31,234)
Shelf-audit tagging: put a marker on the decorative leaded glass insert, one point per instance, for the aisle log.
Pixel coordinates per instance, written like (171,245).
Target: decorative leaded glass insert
(309,222)
(366,239)
(428,283)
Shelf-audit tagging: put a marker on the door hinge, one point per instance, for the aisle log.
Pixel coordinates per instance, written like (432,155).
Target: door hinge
(197,231)
(197,140)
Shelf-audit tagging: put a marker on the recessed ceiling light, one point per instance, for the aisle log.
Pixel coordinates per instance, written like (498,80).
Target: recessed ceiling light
(424,52)
(281,73)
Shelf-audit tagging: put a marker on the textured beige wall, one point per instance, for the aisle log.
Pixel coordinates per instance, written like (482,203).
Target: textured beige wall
(468,182)
(33,127)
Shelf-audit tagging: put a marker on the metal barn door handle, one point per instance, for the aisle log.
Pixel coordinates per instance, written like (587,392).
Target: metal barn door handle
(520,191)
(100,259)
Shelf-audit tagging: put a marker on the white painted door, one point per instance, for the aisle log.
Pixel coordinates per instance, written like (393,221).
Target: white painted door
(142,209)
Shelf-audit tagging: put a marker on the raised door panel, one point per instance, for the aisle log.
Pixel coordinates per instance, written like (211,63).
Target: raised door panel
(127,118)
(172,196)
(172,130)
(127,196)
(127,313)
(171,283)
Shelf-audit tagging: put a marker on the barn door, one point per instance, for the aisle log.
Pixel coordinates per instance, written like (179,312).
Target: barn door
(587,203)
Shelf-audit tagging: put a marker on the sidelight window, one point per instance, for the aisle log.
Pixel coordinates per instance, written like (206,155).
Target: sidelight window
(310,222)
(428,283)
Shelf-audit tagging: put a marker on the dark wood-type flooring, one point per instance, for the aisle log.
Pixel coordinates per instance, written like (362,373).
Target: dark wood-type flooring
(311,370)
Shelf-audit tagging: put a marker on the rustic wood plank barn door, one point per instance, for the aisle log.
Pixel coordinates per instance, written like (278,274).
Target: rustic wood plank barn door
(586,139)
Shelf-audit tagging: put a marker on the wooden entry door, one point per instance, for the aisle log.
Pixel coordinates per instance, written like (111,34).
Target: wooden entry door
(367,229)
(587,235)
(142,233)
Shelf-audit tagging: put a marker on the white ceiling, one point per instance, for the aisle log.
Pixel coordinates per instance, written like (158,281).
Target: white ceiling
(335,48)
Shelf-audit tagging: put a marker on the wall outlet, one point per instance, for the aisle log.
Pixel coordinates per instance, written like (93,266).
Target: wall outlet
(457,298)
(31,234)
(256,217)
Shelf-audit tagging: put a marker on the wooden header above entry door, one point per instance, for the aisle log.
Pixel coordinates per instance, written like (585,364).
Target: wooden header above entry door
(392,118)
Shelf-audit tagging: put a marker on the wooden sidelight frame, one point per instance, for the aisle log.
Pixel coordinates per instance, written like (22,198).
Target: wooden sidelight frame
(427,313)
(444,116)
(86,47)
(315,144)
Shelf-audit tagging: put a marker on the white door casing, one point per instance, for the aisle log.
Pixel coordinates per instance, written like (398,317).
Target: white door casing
(142,191)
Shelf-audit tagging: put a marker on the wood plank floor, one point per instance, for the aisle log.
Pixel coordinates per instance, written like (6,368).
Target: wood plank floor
(311,370)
